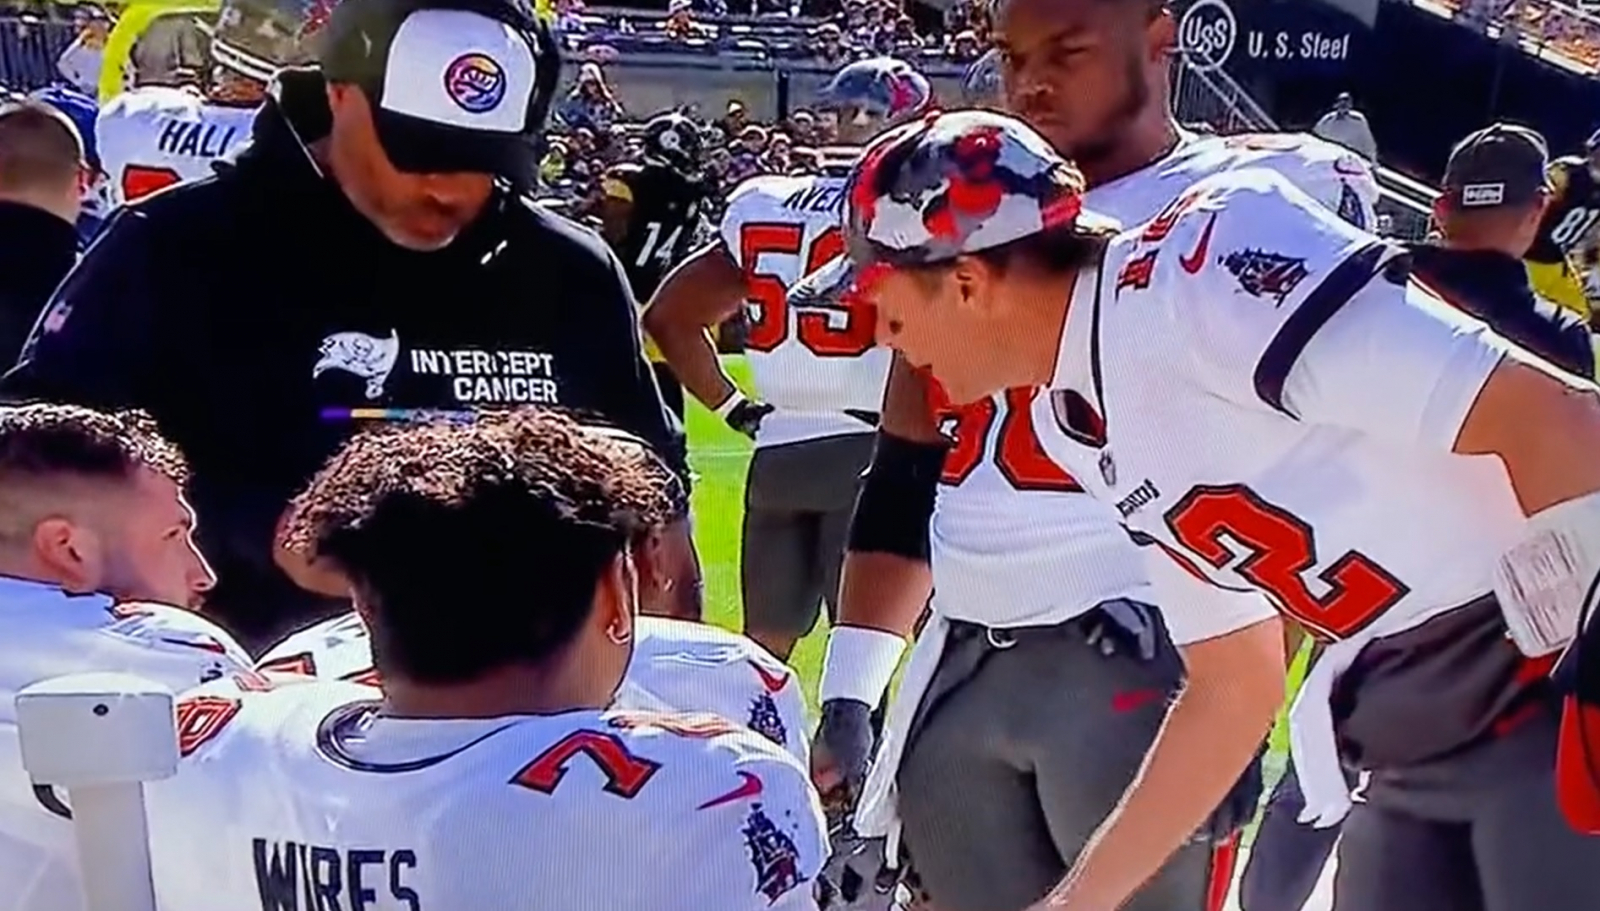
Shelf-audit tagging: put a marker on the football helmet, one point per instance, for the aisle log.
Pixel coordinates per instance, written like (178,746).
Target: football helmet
(256,38)
(673,140)
(875,93)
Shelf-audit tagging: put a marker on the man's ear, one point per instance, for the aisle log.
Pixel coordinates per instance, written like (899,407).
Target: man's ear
(973,278)
(622,597)
(72,554)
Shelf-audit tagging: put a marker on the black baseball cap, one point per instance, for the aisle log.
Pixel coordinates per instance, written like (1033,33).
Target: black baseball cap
(455,85)
(1499,165)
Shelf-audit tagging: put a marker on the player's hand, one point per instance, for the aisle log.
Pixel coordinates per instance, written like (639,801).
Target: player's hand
(841,754)
(746,416)
(1123,627)
(1239,807)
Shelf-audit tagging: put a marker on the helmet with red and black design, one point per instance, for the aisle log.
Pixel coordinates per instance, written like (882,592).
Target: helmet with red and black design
(947,185)
(256,38)
(871,94)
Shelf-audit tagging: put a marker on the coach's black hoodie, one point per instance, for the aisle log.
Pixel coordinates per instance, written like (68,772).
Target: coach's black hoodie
(261,318)
(1494,287)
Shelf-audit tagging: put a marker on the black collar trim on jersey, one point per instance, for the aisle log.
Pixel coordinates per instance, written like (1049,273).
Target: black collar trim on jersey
(335,729)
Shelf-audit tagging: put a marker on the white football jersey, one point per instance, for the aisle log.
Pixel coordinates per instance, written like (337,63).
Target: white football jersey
(1278,412)
(1007,548)
(155,136)
(47,633)
(1335,176)
(302,795)
(677,666)
(811,366)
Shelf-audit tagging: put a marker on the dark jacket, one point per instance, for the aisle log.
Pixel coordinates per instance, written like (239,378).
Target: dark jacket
(1494,287)
(261,319)
(36,251)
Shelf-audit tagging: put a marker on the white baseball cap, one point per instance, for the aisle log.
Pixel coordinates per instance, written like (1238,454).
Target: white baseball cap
(455,85)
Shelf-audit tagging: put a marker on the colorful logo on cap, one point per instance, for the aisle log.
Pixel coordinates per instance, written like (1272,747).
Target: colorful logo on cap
(475,82)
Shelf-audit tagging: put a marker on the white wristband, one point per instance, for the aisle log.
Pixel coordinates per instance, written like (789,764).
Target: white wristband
(1542,580)
(859,663)
(733,401)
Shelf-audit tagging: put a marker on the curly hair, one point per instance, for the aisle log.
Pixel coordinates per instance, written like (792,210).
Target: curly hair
(43,440)
(479,543)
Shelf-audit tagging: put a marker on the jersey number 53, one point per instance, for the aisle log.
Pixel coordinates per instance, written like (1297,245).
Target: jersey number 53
(769,327)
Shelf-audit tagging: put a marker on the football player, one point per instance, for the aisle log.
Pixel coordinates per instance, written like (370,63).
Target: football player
(650,214)
(1094,77)
(818,380)
(98,568)
(1564,251)
(676,663)
(1263,392)
(154,136)
(490,771)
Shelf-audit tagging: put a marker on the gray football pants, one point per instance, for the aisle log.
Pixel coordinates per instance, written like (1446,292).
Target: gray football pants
(1018,753)
(1475,832)
(798,502)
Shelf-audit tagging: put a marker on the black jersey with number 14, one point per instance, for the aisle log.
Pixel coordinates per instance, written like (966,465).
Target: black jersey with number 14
(662,225)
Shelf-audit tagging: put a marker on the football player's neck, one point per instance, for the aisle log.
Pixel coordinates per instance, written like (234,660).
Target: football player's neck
(565,685)
(1031,340)
(1146,139)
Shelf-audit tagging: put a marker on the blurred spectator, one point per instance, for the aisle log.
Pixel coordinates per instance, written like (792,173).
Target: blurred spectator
(553,167)
(776,159)
(964,47)
(746,160)
(80,63)
(826,43)
(680,25)
(903,40)
(42,176)
(590,103)
(733,122)
(1346,126)
(803,127)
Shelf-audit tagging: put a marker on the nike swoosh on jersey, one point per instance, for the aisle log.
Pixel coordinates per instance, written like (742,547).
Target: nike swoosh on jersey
(773,682)
(1196,260)
(748,788)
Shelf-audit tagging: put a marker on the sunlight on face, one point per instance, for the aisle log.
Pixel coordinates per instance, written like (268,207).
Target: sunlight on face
(151,551)
(422,212)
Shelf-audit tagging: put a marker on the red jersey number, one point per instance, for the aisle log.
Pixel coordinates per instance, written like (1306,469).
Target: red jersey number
(771,326)
(1279,550)
(201,718)
(626,774)
(1017,455)
(139,181)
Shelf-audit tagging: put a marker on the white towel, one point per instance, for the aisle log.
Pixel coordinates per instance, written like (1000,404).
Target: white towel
(878,812)
(1311,737)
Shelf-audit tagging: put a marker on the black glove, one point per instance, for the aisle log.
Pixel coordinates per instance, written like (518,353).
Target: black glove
(1123,627)
(1239,807)
(746,416)
(844,744)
